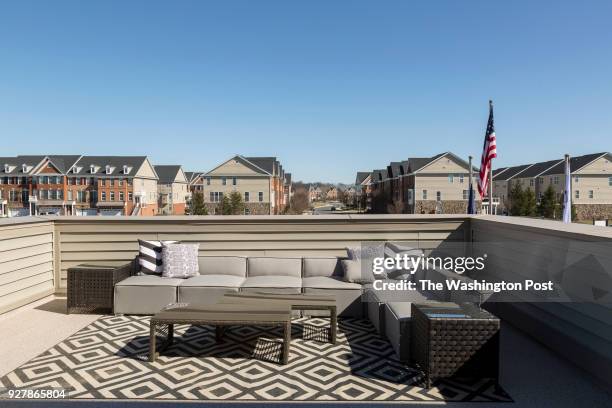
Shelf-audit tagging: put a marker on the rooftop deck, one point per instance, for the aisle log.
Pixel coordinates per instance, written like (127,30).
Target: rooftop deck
(552,354)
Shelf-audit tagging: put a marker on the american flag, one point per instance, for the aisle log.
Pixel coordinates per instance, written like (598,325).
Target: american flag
(489,151)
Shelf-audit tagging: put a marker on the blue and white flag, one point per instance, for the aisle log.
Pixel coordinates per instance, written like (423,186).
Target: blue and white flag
(567,194)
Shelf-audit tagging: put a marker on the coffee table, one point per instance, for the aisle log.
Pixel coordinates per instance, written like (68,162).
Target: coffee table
(293,301)
(220,315)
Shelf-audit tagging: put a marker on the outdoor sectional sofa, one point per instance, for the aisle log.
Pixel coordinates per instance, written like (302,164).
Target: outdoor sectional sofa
(147,294)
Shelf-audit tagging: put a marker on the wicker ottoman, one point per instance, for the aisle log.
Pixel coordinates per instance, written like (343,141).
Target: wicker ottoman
(91,287)
(448,339)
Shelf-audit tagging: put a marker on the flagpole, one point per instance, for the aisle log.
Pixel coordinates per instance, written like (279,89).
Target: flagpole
(491,174)
(471,175)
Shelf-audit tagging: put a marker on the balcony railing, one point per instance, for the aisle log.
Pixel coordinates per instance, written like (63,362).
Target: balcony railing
(35,253)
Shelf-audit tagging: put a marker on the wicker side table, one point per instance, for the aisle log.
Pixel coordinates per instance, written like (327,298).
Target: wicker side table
(91,287)
(449,339)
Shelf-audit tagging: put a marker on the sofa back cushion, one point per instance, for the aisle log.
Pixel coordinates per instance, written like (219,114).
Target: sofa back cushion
(223,265)
(266,266)
(327,267)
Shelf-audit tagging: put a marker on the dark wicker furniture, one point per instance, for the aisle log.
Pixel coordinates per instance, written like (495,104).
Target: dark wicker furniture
(91,287)
(448,339)
(293,302)
(219,315)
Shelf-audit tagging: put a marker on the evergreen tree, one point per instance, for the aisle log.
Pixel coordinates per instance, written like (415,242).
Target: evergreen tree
(530,206)
(548,203)
(197,206)
(517,200)
(236,203)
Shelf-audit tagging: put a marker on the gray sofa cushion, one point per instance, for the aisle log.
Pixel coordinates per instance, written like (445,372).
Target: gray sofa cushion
(322,267)
(323,282)
(146,294)
(207,289)
(222,265)
(149,280)
(272,282)
(268,266)
(225,281)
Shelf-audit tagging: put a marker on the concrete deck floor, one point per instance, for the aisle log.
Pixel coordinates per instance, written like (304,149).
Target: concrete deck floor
(530,373)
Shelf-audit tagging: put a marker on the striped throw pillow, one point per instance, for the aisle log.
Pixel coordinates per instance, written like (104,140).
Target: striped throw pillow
(150,256)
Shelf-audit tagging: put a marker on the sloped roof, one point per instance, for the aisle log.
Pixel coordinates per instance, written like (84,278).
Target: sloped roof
(167,173)
(115,162)
(266,163)
(538,168)
(576,163)
(393,169)
(361,175)
(510,172)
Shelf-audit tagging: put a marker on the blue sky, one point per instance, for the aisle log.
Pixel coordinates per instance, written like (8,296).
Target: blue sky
(330,87)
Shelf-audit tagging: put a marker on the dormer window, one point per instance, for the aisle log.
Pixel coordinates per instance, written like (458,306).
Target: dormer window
(24,168)
(126,170)
(7,168)
(108,169)
(92,169)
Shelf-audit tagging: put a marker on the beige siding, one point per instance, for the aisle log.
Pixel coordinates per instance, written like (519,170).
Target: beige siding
(26,262)
(433,184)
(233,167)
(599,166)
(444,165)
(110,241)
(252,184)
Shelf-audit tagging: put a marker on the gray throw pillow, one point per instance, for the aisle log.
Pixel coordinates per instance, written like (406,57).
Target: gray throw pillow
(180,260)
(392,249)
(352,271)
(363,256)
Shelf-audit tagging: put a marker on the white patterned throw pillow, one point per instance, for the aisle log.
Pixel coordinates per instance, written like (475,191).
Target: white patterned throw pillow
(180,260)
(150,256)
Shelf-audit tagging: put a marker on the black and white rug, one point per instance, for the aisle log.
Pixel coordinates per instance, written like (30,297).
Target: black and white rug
(108,360)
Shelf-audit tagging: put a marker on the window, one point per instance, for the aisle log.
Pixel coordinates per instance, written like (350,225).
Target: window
(451,178)
(260,196)
(224,181)
(610,181)
(247,211)
(130,196)
(590,193)
(438,195)
(121,196)
(461,178)
(216,196)
(13,196)
(577,194)
(208,181)
(424,194)
(576,179)
(234,181)
(541,180)
(112,182)
(103,195)
(69,195)
(120,183)
(556,179)
(129,182)
(247,196)
(112,196)
(465,195)
(539,195)
(45,180)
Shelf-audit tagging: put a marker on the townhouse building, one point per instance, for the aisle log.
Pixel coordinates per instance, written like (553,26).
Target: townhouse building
(172,189)
(315,193)
(78,185)
(261,181)
(591,183)
(422,185)
(363,189)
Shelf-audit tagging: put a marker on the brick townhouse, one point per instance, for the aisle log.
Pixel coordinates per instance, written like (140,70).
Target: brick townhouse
(77,185)
(420,185)
(172,189)
(591,183)
(261,181)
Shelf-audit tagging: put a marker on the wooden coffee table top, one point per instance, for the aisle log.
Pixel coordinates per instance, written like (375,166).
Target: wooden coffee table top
(227,312)
(292,300)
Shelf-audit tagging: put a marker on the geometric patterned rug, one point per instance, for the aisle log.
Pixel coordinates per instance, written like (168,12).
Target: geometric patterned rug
(108,360)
